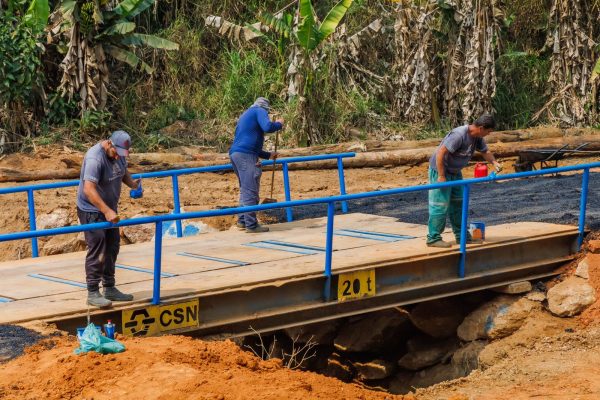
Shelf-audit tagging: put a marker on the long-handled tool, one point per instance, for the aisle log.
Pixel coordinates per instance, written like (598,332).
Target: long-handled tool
(270,199)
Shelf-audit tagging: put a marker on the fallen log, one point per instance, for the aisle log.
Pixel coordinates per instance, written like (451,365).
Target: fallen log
(150,162)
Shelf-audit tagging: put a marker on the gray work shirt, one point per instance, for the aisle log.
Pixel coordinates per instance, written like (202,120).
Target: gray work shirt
(106,173)
(461,147)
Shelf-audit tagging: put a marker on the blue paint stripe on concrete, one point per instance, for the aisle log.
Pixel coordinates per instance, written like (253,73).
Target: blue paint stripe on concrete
(382,234)
(58,280)
(144,270)
(294,245)
(223,260)
(272,246)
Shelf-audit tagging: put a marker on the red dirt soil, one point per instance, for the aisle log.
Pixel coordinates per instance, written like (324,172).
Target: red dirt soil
(167,367)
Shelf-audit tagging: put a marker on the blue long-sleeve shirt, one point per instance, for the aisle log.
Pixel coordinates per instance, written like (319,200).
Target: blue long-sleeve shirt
(250,132)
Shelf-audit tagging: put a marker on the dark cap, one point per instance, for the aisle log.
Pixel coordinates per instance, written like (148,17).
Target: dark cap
(121,141)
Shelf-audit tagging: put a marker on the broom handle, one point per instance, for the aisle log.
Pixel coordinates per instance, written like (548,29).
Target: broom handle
(273,170)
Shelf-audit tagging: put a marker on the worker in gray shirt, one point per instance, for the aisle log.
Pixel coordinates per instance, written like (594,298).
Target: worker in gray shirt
(446,163)
(104,168)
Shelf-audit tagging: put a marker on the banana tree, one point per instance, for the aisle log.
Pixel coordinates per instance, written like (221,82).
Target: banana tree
(94,31)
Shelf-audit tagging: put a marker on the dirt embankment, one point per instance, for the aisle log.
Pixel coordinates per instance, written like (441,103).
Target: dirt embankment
(168,367)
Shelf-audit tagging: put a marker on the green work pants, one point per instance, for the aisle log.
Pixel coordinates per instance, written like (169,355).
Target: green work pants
(442,203)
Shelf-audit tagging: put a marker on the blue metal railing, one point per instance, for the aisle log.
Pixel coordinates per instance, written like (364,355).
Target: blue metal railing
(174,174)
(330,201)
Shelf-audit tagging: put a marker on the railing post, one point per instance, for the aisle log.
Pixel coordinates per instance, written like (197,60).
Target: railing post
(176,205)
(583,205)
(329,250)
(342,183)
(463,231)
(286,189)
(157,262)
(32,224)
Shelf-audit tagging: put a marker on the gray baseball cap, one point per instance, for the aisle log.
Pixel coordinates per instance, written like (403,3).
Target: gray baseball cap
(122,142)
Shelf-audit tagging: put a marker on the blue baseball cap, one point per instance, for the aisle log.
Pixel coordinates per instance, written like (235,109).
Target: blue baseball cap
(122,142)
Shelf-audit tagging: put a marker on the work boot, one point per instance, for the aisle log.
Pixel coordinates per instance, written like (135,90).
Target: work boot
(472,241)
(441,244)
(112,293)
(257,229)
(97,300)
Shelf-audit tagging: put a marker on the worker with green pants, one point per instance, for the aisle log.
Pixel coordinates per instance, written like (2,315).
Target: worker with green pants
(453,154)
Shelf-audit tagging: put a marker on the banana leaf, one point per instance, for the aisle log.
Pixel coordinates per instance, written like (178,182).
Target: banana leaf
(596,71)
(308,34)
(139,39)
(37,15)
(131,8)
(333,18)
(123,55)
(120,28)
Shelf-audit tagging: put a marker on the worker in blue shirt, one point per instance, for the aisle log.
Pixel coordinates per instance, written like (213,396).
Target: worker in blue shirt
(244,153)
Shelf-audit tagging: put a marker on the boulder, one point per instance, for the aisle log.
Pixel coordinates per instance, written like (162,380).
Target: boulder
(425,353)
(400,383)
(594,246)
(466,359)
(496,319)
(570,297)
(583,269)
(322,333)
(374,332)
(60,244)
(514,288)
(436,374)
(138,233)
(438,318)
(536,296)
(375,369)
(57,218)
(338,367)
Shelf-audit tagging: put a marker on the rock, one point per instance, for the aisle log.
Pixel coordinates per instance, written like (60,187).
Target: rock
(425,353)
(375,369)
(373,332)
(321,333)
(536,296)
(138,233)
(583,268)
(60,244)
(594,246)
(436,374)
(438,318)
(496,319)
(339,368)
(400,384)
(466,359)
(57,218)
(514,288)
(570,297)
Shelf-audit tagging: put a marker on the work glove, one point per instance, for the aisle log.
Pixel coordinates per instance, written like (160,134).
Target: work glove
(497,166)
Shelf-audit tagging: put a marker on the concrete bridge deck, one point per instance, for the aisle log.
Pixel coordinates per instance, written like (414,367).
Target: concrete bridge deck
(225,282)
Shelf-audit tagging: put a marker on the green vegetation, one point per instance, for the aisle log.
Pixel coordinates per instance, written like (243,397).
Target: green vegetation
(162,72)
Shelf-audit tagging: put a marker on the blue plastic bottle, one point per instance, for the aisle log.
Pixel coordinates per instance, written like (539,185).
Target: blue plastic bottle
(137,193)
(109,330)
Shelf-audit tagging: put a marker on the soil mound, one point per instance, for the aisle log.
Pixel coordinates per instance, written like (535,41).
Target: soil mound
(167,367)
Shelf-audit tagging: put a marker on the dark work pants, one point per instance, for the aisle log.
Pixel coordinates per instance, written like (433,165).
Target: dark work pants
(102,250)
(248,174)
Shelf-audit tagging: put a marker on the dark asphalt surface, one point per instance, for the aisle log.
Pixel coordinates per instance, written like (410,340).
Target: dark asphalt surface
(542,199)
(14,339)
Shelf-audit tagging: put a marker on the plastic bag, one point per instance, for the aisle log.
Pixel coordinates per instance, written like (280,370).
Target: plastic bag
(92,340)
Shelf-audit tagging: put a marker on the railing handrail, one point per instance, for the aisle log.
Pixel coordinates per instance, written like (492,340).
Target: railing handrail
(178,172)
(286,204)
